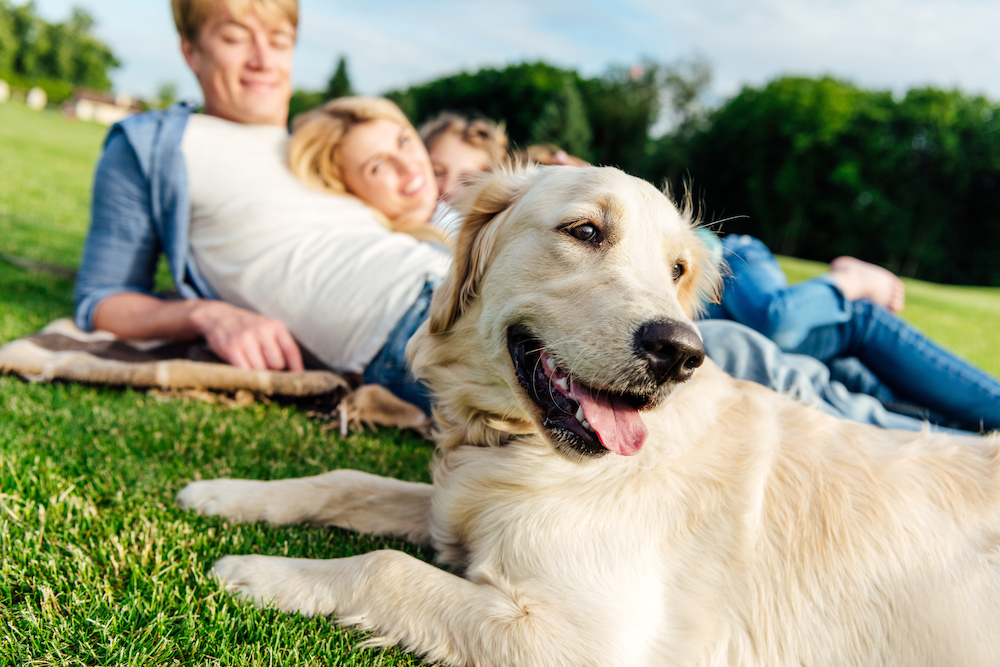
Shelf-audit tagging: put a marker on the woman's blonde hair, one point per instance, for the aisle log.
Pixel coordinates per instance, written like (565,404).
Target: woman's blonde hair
(190,15)
(481,133)
(314,148)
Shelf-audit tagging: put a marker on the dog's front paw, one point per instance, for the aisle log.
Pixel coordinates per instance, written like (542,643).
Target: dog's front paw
(287,584)
(235,499)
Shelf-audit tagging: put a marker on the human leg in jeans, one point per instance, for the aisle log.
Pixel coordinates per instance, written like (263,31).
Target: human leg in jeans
(911,373)
(390,369)
(910,364)
(756,293)
(747,355)
(860,379)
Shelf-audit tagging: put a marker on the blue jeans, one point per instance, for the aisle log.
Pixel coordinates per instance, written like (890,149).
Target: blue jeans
(911,365)
(748,355)
(908,371)
(755,292)
(390,369)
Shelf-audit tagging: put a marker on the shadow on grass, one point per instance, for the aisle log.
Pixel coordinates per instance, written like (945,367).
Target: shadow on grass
(29,300)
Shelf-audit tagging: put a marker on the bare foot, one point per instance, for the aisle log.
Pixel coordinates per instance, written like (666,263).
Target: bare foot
(858,279)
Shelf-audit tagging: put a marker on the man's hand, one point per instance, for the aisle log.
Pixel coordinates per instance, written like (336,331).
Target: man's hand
(241,337)
(246,339)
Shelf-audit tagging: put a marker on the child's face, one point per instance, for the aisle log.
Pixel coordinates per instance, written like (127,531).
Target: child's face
(454,161)
(386,165)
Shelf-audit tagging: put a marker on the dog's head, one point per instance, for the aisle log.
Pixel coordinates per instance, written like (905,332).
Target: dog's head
(567,312)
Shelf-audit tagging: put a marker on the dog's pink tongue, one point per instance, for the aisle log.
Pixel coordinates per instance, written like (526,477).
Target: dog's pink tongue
(617,424)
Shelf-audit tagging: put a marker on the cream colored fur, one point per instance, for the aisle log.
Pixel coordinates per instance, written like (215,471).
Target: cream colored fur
(750,529)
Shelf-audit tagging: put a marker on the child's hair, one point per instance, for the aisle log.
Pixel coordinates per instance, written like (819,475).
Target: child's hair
(314,149)
(480,133)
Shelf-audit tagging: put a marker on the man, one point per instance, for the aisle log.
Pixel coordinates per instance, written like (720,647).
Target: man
(241,54)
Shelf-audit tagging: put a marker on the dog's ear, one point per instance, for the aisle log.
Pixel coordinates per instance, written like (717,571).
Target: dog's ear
(480,204)
(702,286)
(703,283)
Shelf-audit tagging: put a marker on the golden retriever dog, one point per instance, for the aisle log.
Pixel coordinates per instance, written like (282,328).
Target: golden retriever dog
(603,495)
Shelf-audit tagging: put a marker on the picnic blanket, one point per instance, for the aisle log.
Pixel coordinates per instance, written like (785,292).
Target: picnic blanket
(61,352)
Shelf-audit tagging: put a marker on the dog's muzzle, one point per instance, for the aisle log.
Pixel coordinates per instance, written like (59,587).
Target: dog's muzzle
(589,419)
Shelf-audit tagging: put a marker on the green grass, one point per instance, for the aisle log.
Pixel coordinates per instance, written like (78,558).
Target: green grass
(97,565)
(48,165)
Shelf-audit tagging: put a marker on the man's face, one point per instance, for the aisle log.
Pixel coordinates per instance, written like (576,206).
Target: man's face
(244,67)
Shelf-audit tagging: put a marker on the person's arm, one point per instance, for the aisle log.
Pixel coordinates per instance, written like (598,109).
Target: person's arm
(122,248)
(243,338)
(117,272)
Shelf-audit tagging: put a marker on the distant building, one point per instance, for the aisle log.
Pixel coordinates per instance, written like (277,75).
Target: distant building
(36,99)
(102,108)
(4,91)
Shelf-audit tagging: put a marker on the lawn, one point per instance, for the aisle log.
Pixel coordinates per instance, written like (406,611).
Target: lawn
(97,565)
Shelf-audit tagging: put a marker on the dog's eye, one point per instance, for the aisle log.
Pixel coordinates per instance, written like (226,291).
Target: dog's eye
(588,232)
(679,270)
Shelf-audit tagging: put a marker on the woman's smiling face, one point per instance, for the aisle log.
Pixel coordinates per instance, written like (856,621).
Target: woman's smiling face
(386,165)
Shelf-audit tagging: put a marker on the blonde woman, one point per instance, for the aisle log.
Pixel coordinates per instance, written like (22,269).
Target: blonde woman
(366,147)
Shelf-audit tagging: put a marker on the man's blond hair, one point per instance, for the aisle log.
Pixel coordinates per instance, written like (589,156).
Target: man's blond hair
(190,15)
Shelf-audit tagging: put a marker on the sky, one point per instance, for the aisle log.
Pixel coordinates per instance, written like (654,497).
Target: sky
(877,44)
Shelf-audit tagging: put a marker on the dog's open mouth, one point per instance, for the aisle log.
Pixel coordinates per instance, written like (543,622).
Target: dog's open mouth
(589,420)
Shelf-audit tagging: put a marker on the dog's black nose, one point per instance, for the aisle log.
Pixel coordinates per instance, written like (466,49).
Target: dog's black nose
(672,350)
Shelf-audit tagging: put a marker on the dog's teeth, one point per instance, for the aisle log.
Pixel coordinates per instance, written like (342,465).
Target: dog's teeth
(583,420)
(563,384)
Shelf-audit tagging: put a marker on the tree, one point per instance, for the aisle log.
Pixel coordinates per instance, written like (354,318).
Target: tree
(339,84)
(684,85)
(166,94)
(9,44)
(819,168)
(607,119)
(538,103)
(683,115)
(303,100)
(68,52)
(25,26)
(563,121)
(530,98)
(91,61)
(621,108)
